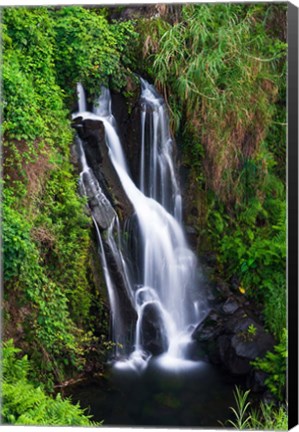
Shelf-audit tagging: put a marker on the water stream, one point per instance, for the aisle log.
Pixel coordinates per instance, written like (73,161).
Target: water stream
(166,290)
(155,378)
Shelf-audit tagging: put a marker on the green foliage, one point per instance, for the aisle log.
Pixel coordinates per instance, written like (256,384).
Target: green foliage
(16,242)
(257,255)
(89,50)
(218,65)
(270,418)
(266,417)
(222,71)
(46,241)
(49,326)
(29,86)
(25,404)
(252,330)
(49,273)
(240,412)
(62,216)
(35,118)
(150,34)
(21,107)
(275,365)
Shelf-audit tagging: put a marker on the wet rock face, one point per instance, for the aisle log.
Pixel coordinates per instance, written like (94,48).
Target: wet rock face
(152,330)
(93,137)
(101,209)
(233,337)
(128,118)
(106,197)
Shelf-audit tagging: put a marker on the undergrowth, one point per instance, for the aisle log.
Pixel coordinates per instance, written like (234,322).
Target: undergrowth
(49,288)
(265,417)
(222,70)
(26,404)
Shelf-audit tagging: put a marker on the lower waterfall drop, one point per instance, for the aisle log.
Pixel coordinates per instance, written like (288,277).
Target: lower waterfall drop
(165,293)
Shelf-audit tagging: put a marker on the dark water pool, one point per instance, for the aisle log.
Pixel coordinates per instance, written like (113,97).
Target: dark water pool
(195,397)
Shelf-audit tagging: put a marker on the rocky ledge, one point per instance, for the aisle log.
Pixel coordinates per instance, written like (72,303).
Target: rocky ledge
(232,335)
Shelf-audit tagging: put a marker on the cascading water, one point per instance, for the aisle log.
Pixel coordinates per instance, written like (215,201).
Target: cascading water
(157,173)
(164,292)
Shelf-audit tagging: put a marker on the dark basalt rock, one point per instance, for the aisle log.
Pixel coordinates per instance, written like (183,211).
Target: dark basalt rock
(101,208)
(233,337)
(126,111)
(209,328)
(152,327)
(93,137)
(104,202)
(230,306)
(128,313)
(256,381)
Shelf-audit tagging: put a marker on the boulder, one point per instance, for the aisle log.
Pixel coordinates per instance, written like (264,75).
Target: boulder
(92,134)
(209,328)
(153,330)
(232,336)
(230,306)
(106,197)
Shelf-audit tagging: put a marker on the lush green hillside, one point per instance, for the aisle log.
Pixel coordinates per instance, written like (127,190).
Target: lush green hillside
(222,71)
(52,307)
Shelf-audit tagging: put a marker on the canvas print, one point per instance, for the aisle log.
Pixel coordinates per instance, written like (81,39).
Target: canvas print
(144,215)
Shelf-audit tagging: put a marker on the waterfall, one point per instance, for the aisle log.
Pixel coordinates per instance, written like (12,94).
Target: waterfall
(157,173)
(165,293)
(81,98)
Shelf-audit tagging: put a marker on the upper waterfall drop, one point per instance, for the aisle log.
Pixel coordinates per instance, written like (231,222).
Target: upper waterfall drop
(158,179)
(81,98)
(165,293)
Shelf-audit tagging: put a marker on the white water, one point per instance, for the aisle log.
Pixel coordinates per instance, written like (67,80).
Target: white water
(81,98)
(157,173)
(169,268)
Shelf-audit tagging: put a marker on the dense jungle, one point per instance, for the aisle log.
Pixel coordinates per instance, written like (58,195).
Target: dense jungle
(221,72)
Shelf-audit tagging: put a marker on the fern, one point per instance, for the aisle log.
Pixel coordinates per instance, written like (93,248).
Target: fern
(25,404)
(275,365)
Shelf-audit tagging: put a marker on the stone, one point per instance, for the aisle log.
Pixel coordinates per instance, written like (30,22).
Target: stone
(230,306)
(92,134)
(256,381)
(126,111)
(252,346)
(234,364)
(152,328)
(230,336)
(209,328)
(100,206)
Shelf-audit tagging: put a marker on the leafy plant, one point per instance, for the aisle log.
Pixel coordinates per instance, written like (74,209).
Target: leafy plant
(25,404)
(241,411)
(49,289)
(221,69)
(266,417)
(275,365)
(88,49)
(252,330)
(270,418)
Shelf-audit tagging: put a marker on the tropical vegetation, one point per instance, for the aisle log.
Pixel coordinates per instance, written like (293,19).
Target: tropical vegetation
(222,71)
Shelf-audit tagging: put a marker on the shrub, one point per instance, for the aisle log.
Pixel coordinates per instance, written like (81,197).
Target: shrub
(265,417)
(275,365)
(88,49)
(25,404)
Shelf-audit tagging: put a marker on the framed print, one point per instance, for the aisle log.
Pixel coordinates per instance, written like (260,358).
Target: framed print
(150,215)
